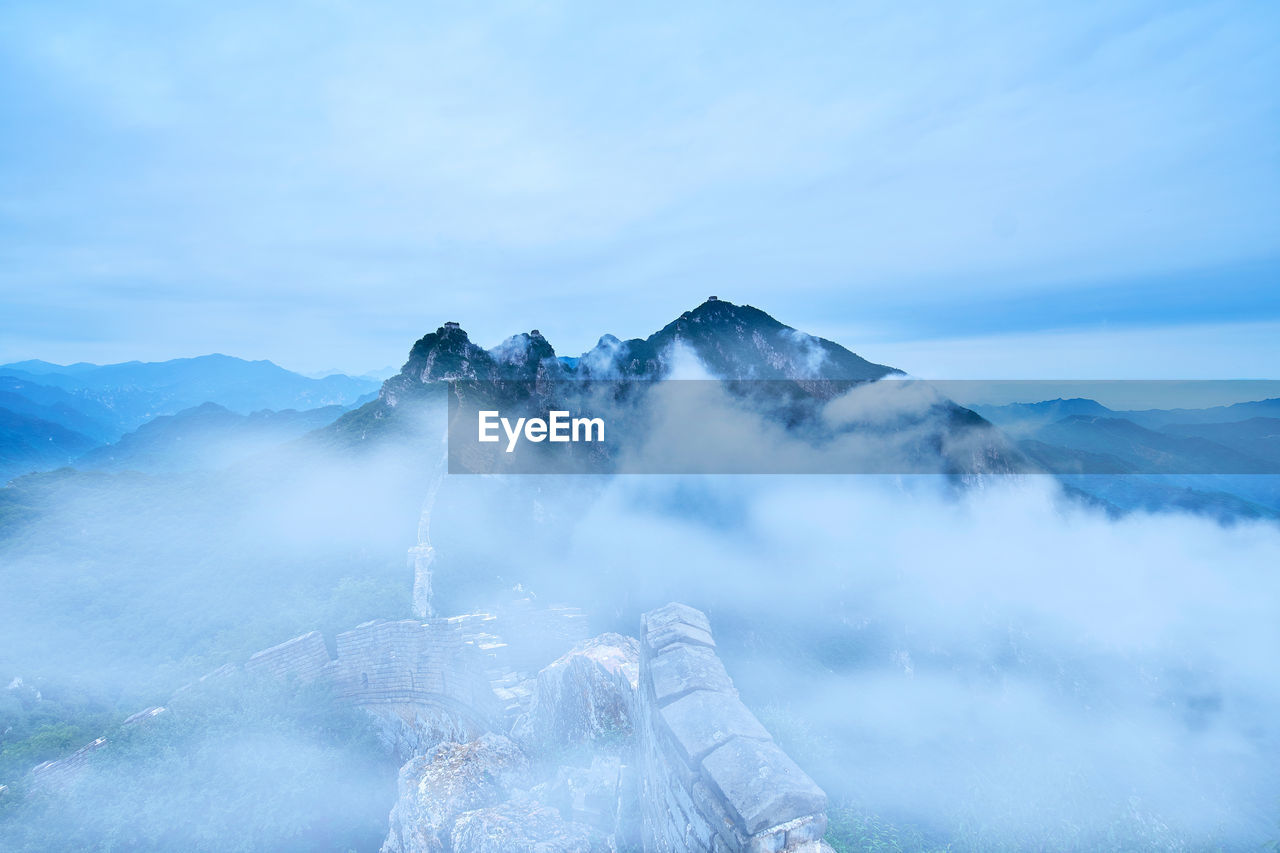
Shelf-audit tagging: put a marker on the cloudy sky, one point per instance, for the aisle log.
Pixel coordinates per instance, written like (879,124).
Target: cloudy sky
(1013,189)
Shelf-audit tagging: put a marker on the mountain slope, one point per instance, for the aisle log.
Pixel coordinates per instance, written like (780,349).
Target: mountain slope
(732,342)
(205,437)
(30,444)
(1024,418)
(1147,451)
(58,406)
(1161,418)
(1258,437)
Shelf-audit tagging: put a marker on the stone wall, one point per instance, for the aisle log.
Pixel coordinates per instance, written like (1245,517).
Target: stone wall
(54,774)
(706,776)
(424,681)
(712,778)
(410,661)
(303,658)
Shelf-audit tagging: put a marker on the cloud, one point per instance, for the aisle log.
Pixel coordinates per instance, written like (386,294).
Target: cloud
(401,166)
(997,664)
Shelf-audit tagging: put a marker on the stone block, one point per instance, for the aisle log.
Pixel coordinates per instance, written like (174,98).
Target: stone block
(675,612)
(768,842)
(685,669)
(808,831)
(761,785)
(703,720)
(678,632)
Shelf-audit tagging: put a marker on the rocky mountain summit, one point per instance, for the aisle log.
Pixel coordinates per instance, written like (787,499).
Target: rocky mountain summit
(750,363)
(736,342)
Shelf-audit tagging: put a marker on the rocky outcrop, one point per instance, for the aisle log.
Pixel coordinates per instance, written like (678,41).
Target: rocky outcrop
(523,825)
(472,797)
(436,788)
(586,697)
(631,745)
(603,796)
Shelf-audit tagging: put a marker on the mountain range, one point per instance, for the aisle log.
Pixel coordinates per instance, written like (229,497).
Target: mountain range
(51,415)
(1243,438)
(206,412)
(727,341)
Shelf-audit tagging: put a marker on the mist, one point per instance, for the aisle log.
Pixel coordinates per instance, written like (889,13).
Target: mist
(983,662)
(1032,673)
(978,662)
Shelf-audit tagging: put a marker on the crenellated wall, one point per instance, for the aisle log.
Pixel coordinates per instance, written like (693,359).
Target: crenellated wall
(410,661)
(712,778)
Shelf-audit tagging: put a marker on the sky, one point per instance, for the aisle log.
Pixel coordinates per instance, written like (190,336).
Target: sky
(1003,190)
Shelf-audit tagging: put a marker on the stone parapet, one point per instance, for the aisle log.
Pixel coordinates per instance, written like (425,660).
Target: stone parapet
(712,777)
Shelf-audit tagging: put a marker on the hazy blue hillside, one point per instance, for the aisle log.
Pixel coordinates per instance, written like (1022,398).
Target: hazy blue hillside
(1206,461)
(134,392)
(1259,437)
(1147,451)
(1022,418)
(1158,418)
(205,437)
(58,406)
(30,444)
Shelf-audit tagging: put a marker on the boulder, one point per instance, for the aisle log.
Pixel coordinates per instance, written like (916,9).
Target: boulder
(522,825)
(407,729)
(453,778)
(586,795)
(586,697)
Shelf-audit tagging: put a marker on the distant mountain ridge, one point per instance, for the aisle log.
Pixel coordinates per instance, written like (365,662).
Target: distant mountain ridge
(1214,460)
(121,397)
(30,444)
(205,437)
(1019,415)
(53,414)
(1146,450)
(57,406)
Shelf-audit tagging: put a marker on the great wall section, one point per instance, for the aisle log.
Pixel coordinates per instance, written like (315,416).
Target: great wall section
(711,777)
(519,731)
(690,767)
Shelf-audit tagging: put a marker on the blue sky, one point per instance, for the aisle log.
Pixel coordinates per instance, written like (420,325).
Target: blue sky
(995,190)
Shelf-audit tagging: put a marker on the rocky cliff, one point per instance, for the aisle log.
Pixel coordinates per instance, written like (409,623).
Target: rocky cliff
(626,745)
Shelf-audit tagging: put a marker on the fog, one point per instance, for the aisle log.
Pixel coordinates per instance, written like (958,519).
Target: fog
(983,662)
(997,668)
(976,662)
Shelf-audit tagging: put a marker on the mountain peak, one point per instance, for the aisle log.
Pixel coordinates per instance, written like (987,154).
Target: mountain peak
(448,354)
(744,342)
(732,341)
